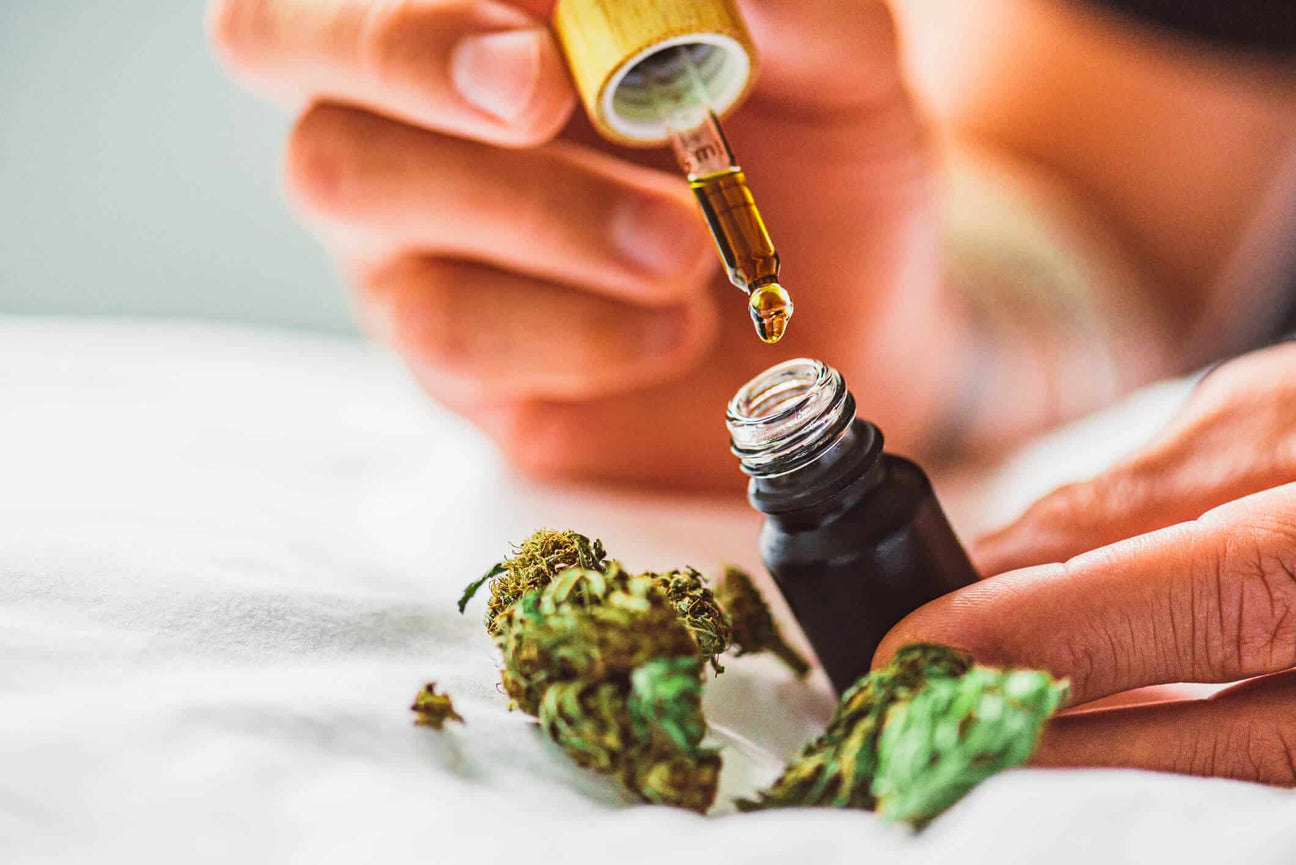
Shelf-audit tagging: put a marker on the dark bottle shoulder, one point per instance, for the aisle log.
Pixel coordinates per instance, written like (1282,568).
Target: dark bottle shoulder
(889,507)
(903,489)
(904,473)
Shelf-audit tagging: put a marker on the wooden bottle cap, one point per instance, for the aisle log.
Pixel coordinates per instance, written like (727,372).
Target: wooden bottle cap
(607,42)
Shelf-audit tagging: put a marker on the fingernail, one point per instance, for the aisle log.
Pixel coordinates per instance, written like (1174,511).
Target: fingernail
(498,72)
(665,331)
(658,235)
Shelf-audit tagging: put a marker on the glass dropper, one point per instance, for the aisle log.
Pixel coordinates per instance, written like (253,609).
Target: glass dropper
(750,259)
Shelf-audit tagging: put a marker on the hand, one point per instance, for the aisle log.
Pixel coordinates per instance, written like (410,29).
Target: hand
(1179,566)
(563,294)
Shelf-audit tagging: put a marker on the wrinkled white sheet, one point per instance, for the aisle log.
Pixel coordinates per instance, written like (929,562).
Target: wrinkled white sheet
(229,558)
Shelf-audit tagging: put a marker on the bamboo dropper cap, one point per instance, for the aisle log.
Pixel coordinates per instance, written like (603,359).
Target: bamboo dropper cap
(605,40)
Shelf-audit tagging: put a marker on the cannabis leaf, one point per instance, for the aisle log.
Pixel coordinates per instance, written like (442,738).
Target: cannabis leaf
(472,587)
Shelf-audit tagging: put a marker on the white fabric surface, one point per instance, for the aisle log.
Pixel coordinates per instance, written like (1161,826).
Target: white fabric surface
(229,558)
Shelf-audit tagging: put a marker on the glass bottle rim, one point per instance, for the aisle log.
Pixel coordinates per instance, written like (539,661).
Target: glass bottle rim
(788,416)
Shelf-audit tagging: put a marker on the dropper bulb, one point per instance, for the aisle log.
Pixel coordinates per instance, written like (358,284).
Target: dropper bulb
(770,308)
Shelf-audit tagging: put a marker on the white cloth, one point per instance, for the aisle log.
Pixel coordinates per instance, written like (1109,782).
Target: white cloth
(229,559)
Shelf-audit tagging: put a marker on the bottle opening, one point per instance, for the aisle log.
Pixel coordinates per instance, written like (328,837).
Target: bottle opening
(629,103)
(788,416)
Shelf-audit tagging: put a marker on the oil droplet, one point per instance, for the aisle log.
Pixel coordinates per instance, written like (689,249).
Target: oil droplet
(770,307)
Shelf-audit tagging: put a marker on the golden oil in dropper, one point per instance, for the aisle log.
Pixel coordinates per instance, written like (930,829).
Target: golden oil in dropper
(726,201)
(745,247)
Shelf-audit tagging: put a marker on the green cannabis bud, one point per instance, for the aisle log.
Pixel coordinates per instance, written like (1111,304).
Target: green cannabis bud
(591,626)
(432,709)
(611,663)
(754,628)
(909,740)
(666,701)
(547,553)
(535,562)
(698,609)
(606,661)
(955,733)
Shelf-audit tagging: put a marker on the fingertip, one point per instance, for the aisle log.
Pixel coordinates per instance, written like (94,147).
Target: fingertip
(984,619)
(554,99)
(484,70)
(920,626)
(516,82)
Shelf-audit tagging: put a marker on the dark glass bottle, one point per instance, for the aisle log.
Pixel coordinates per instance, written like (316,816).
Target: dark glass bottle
(853,536)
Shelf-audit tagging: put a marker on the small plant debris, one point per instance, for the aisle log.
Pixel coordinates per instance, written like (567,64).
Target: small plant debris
(432,709)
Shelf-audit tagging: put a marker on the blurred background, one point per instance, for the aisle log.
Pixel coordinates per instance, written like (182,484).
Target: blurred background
(136,179)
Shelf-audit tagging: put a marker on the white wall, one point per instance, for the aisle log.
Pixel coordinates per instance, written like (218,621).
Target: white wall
(135,179)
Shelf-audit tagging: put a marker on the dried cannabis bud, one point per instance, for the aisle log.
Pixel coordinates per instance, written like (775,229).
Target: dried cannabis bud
(955,733)
(539,559)
(611,663)
(591,626)
(433,709)
(754,628)
(911,738)
(699,611)
(608,667)
(546,554)
(666,701)
(685,781)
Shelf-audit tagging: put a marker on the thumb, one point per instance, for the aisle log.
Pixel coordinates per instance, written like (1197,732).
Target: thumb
(826,55)
(823,53)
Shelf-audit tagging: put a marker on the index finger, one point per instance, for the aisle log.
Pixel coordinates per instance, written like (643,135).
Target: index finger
(1212,600)
(484,70)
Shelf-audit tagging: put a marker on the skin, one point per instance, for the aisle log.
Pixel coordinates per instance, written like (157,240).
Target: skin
(1177,565)
(575,341)
(562,294)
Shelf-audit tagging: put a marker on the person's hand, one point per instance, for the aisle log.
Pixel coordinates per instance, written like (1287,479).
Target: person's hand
(1179,565)
(568,300)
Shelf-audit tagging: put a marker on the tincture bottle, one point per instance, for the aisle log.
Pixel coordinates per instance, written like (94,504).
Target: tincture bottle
(853,536)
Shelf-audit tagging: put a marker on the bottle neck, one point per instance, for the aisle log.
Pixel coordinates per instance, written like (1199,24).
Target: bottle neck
(794,430)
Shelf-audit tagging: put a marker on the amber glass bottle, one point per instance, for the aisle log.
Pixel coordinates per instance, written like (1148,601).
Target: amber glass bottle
(853,536)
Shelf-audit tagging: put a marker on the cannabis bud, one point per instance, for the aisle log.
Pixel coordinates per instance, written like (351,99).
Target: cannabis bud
(699,610)
(433,709)
(587,625)
(909,740)
(539,559)
(610,662)
(754,628)
(955,733)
